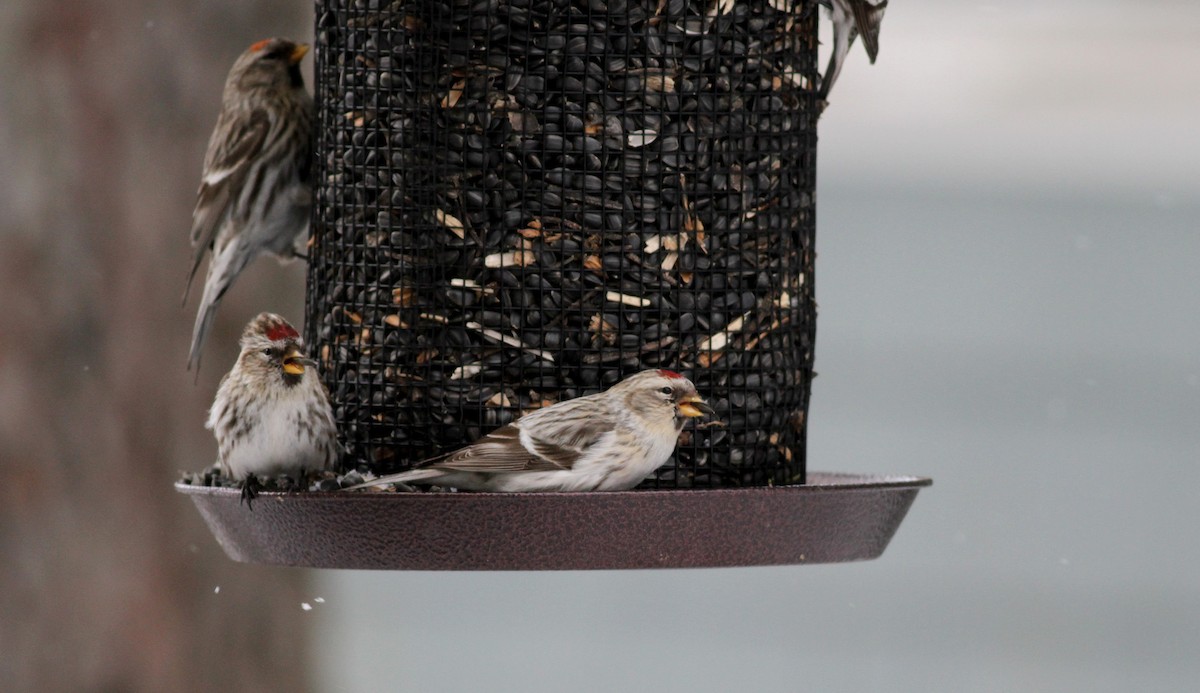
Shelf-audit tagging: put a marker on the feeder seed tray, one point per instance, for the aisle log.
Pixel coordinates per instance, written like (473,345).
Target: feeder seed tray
(833,518)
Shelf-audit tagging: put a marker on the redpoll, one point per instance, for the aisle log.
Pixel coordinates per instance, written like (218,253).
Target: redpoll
(851,18)
(272,414)
(256,190)
(609,441)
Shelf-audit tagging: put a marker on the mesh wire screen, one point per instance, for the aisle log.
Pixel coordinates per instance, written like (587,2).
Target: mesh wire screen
(523,201)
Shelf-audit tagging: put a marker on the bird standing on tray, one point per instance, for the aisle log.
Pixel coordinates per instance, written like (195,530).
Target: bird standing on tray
(271,415)
(851,18)
(256,190)
(609,441)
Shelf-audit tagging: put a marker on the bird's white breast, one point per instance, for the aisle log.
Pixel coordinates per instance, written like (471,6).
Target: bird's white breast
(280,441)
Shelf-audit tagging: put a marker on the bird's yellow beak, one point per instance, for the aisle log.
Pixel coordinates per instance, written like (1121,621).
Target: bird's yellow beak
(294,362)
(692,406)
(299,52)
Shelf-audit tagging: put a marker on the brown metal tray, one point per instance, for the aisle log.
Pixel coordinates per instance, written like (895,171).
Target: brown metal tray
(833,518)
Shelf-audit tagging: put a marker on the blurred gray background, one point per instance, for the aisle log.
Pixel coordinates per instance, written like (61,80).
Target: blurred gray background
(1008,284)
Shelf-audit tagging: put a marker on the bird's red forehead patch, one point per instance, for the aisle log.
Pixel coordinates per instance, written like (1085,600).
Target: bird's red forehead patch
(259,45)
(668,374)
(280,331)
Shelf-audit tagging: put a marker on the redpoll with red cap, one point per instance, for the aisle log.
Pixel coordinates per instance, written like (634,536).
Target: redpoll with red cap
(272,415)
(256,190)
(609,441)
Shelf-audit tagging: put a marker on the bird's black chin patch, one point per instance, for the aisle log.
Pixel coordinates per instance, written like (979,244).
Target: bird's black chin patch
(294,75)
(291,379)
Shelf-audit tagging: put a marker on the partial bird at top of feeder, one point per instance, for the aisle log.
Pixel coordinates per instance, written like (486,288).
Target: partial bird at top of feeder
(850,19)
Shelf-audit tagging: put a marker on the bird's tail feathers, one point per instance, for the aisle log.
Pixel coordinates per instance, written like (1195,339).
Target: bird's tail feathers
(399,478)
(191,275)
(867,19)
(204,320)
(225,266)
(187,288)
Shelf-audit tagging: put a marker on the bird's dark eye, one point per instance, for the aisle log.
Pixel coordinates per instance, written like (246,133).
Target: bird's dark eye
(269,351)
(667,390)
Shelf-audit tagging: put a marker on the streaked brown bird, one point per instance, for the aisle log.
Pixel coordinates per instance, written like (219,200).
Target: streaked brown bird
(256,190)
(272,415)
(608,441)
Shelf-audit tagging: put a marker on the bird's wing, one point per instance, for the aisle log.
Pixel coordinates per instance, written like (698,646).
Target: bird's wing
(225,166)
(506,450)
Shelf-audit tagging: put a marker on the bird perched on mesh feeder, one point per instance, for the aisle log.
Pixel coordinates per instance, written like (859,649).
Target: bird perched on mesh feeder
(271,415)
(851,18)
(256,190)
(609,441)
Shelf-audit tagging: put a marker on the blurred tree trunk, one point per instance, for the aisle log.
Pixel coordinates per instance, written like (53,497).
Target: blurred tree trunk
(108,579)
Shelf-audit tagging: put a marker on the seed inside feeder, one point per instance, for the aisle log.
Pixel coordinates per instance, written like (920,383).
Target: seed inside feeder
(522,201)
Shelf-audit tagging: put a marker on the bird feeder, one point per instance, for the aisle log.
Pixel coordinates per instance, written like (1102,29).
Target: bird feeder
(519,202)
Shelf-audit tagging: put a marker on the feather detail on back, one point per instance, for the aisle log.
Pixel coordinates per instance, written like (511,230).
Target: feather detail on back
(226,164)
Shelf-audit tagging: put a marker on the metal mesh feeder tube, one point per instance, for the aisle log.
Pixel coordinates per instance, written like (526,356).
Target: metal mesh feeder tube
(523,201)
